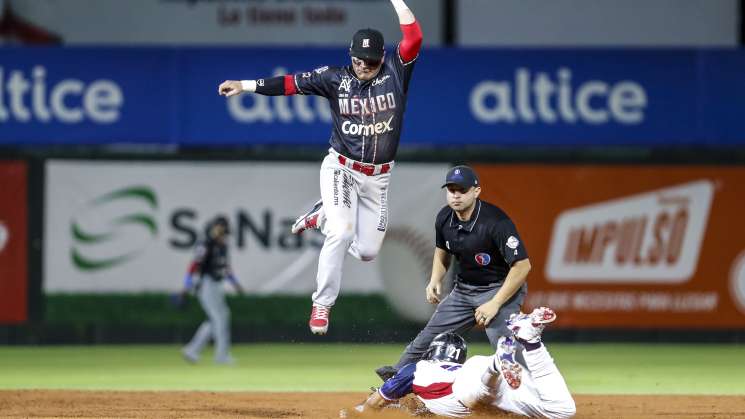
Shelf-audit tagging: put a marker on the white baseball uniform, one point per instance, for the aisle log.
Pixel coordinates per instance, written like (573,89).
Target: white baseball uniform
(450,389)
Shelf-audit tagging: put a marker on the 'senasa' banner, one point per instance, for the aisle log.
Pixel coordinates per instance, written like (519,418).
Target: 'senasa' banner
(551,97)
(131,227)
(13,242)
(629,246)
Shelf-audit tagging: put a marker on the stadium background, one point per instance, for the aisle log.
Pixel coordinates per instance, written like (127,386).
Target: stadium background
(609,130)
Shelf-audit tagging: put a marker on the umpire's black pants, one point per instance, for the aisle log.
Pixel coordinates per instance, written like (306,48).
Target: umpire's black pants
(456,314)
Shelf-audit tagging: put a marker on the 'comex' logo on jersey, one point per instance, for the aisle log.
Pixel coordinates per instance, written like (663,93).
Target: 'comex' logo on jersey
(122,216)
(367,129)
(654,237)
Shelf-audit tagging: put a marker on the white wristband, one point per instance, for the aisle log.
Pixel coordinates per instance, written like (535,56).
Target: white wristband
(248,85)
(399,5)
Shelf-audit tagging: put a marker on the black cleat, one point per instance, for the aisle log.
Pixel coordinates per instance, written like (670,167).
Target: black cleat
(386,372)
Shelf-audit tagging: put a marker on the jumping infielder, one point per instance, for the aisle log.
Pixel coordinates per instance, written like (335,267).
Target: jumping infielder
(367,99)
(449,387)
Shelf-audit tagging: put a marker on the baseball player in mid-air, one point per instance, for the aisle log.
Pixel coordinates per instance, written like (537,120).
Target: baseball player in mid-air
(210,267)
(367,99)
(449,387)
(493,265)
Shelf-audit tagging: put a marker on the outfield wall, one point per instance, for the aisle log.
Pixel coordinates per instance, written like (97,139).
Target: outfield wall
(618,249)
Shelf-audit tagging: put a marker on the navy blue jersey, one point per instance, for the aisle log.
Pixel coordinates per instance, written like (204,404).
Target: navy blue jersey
(485,247)
(367,115)
(211,258)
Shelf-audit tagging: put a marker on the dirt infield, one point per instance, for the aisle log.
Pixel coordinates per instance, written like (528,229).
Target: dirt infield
(89,404)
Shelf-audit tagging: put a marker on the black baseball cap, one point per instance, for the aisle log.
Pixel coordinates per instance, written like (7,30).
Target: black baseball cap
(462,176)
(367,44)
(219,220)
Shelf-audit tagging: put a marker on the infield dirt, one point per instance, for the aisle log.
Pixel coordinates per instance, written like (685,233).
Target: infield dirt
(163,404)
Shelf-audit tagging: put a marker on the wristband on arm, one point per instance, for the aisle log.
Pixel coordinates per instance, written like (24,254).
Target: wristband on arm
(188,281)
(399,6)
(275,86)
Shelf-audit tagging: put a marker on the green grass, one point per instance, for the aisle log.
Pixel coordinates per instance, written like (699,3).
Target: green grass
(588,368)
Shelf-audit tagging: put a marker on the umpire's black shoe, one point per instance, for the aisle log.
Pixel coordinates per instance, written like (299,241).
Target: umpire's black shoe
(386,372)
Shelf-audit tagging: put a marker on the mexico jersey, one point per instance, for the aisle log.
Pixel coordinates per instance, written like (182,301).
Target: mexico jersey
(367,115)
(432,383)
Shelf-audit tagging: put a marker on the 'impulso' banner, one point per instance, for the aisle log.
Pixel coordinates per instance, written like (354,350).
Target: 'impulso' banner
(630,246)
(131,227)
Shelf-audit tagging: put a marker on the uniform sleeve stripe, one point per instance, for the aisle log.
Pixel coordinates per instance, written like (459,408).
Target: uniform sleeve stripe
(290,87)
(380,391)
(434,390)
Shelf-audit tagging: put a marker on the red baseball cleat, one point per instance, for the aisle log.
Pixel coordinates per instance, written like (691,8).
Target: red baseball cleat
(311,219)
(319,319)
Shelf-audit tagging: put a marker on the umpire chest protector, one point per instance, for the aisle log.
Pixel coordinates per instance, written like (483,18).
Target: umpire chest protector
(485,246)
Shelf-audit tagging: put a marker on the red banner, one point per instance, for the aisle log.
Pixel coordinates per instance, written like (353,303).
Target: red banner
(13,243)
(629,246)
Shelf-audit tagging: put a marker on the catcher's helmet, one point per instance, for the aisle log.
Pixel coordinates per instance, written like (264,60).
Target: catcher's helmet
(447,346)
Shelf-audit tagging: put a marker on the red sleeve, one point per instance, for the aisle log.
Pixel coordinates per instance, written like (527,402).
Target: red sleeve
(290,88)
(193,267)
(412,42)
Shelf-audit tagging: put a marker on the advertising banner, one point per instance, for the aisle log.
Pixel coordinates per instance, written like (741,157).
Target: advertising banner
(86,96)
(506,97)
(598,23)
(13,242)
(210,22)
(629,246)
(131,227)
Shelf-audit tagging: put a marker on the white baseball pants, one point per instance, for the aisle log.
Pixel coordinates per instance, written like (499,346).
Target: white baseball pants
(543,392)
(211,296)
(356,211)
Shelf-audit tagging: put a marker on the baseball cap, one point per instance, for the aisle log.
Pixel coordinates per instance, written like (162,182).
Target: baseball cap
(367,44)
(220,220)
(462,176)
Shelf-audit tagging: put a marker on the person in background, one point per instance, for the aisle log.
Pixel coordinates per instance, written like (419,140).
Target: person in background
(207,272)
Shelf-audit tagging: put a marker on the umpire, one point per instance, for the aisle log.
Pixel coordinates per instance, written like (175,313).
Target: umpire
(493,265)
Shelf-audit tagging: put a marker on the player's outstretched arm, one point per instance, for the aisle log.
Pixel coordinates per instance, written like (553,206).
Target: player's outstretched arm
(373,403)
(411,43)
(275,86)
(405,15)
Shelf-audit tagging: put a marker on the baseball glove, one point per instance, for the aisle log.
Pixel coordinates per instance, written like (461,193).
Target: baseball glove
(179,300)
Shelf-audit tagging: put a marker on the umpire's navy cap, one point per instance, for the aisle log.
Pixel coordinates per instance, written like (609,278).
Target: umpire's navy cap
(462,176)
(367,44)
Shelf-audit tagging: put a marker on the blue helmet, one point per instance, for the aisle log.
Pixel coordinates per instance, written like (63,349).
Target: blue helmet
(448,346)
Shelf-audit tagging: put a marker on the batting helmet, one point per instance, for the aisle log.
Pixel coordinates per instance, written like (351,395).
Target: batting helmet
(447,346)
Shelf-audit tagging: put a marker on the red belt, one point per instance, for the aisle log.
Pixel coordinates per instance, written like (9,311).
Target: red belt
(365,168)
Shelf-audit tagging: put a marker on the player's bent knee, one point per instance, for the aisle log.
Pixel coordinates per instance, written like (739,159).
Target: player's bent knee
(368,257)
(368,253)
(340,234)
